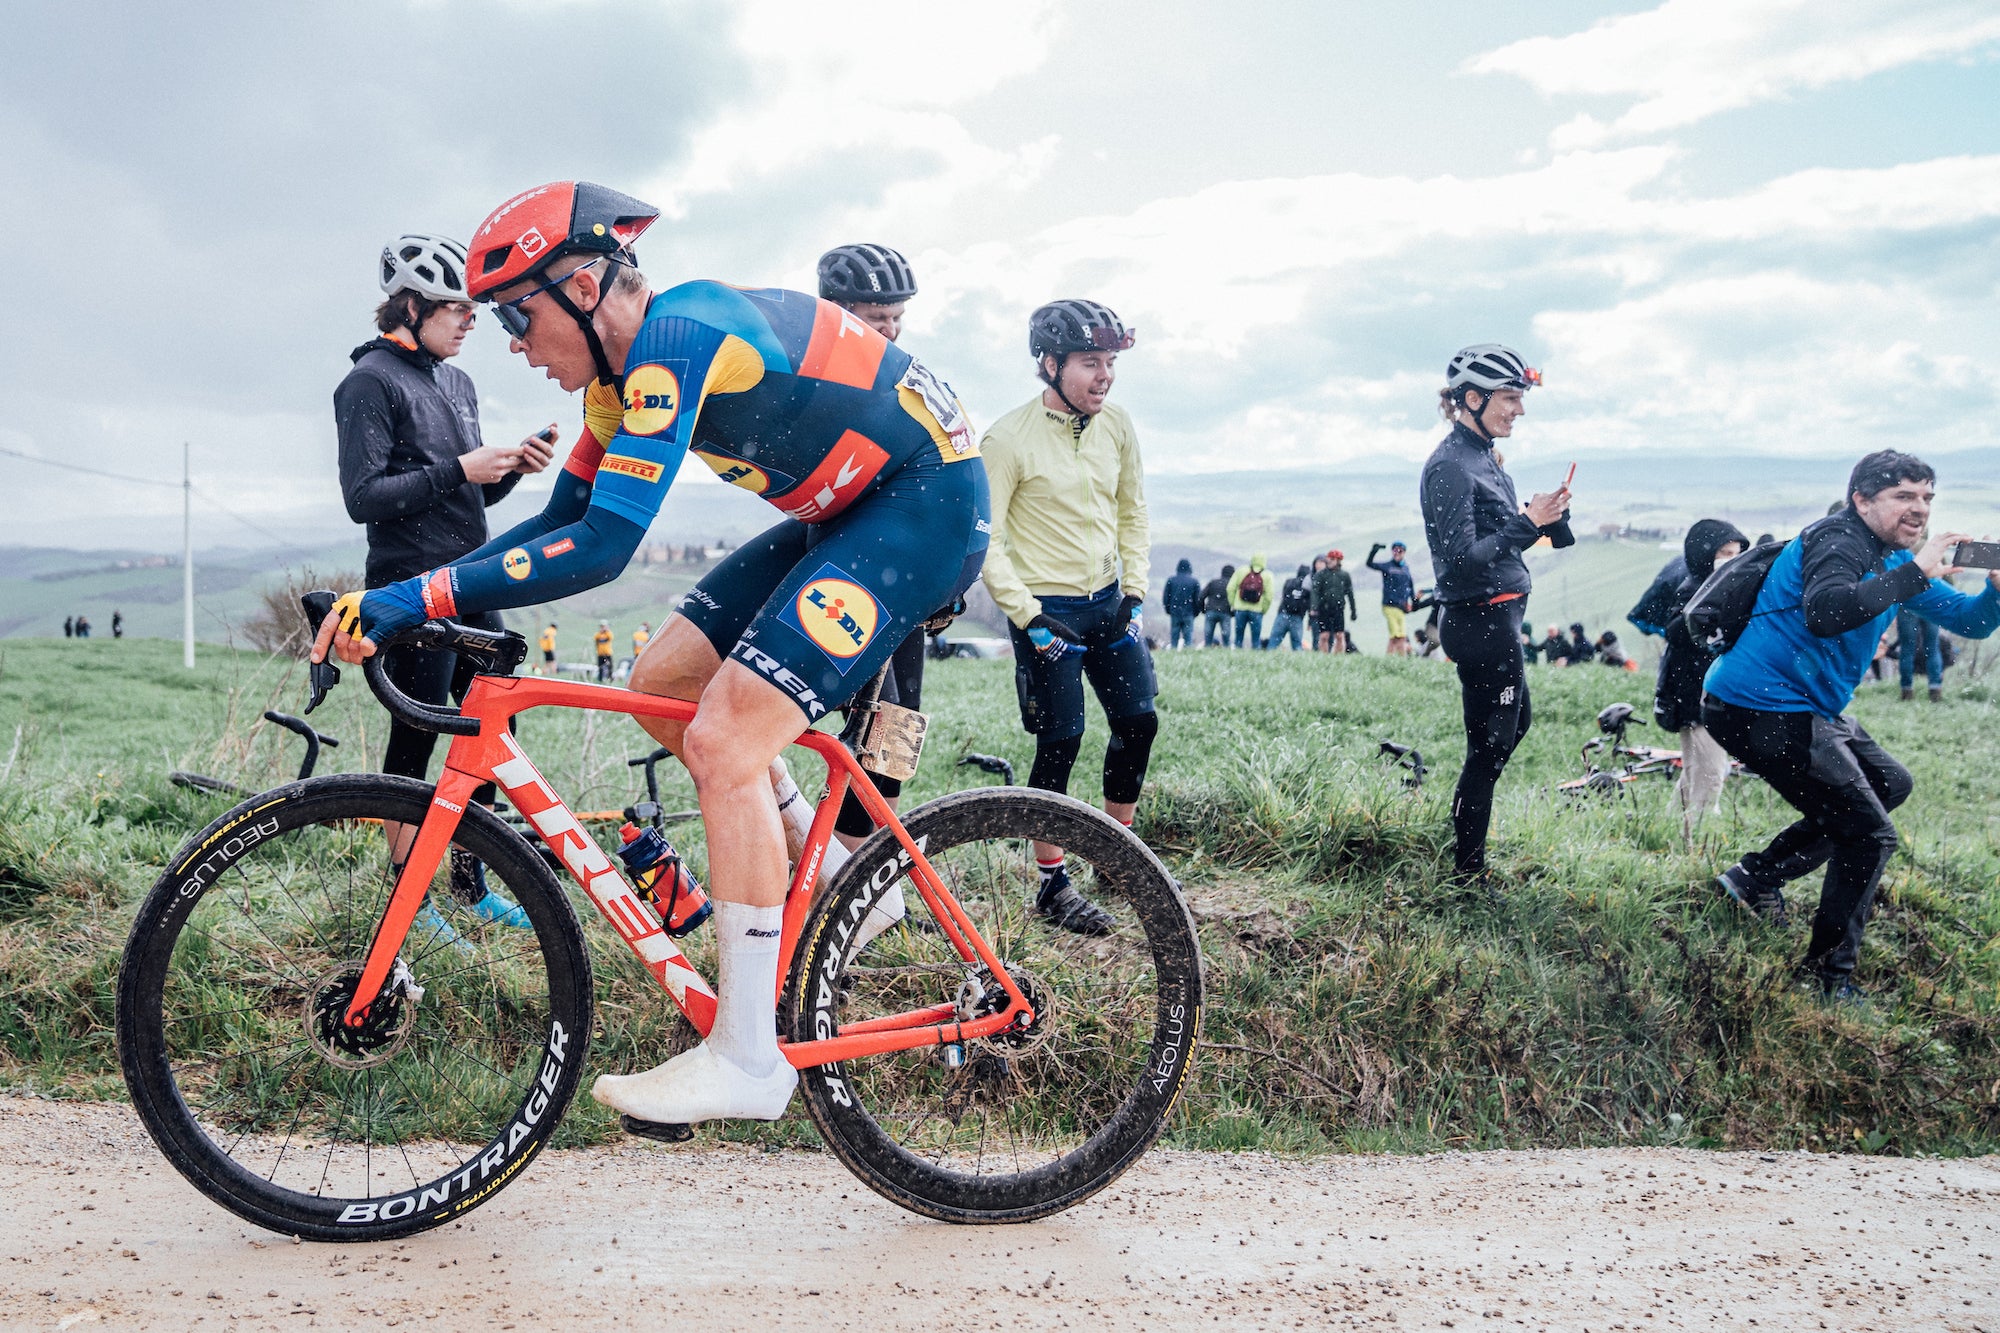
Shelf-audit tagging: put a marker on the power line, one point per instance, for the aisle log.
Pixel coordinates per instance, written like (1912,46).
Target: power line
(93,471)
(254,527)
(206,496)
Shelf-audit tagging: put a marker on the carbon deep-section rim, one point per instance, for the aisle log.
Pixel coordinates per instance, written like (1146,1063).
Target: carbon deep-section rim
(239,963)
(1018,1126)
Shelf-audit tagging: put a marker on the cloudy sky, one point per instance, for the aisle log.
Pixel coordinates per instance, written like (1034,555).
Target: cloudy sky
(1758,225)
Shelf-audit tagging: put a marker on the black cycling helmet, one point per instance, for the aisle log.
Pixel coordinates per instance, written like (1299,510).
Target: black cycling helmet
(1062,327)
(873,274)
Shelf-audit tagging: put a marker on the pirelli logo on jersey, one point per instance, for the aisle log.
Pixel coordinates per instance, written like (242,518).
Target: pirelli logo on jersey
(627,466)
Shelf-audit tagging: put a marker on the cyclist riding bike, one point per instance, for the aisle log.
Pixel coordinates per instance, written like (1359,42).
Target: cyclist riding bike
(790,398)
(1068,569)
(875,283)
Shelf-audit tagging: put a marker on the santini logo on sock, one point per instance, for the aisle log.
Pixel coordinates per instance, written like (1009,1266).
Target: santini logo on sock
(755,933)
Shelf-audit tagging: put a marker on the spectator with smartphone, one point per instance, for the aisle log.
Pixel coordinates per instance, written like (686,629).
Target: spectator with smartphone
(414,469)
(1477,528)
(1399,592)
(1777,700)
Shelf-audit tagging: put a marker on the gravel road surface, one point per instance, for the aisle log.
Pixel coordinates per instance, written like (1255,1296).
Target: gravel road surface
(98,1232)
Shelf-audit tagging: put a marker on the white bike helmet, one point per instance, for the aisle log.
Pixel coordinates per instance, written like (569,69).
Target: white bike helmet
(1486,367)
(431,266)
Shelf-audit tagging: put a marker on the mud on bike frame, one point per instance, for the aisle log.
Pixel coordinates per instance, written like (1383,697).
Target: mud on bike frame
(484,750)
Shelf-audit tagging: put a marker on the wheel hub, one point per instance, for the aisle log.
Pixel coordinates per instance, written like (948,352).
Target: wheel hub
(383,1028)
(984,995)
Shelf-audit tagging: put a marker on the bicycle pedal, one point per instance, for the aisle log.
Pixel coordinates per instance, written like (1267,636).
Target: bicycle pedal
(657,1130)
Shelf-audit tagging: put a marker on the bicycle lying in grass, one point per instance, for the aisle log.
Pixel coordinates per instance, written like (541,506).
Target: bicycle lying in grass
(317,1066)
(1641,761)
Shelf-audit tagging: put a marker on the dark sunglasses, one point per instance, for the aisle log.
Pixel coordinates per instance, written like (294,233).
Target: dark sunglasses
(514,319)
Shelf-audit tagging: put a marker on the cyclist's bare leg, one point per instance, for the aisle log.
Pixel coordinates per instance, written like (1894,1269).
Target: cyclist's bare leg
(744,723)
(679,664)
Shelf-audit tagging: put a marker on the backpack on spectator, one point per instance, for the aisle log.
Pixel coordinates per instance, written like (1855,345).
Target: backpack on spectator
(1252,587)
(1722,606)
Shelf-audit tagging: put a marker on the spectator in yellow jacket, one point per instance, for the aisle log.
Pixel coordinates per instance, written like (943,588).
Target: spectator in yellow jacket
(1251,592)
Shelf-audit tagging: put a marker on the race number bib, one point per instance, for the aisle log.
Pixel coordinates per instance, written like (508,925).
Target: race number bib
(943,403)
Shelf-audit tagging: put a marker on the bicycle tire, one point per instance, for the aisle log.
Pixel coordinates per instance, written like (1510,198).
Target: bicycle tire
(1089,1094)
(236,961)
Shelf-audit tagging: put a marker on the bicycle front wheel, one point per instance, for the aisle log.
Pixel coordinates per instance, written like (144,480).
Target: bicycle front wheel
(1023,1124)
(244,957)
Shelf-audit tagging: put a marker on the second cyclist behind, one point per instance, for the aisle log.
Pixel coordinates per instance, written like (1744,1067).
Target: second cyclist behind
(875,284)
(1068,567)
(1477,531)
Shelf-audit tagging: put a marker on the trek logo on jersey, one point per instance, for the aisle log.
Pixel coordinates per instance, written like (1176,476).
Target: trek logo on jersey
(837,614)
(652,400)
(516,564)
(554,549)
(627,466)
(849,468)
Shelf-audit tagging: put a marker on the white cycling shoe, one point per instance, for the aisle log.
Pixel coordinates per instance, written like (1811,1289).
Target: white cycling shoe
(698,1085)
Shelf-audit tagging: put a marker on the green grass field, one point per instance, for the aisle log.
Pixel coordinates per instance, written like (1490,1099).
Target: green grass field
(1356,1003)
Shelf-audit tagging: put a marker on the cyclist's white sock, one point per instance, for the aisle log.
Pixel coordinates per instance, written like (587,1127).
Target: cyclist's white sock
(745,1031)
(797,814)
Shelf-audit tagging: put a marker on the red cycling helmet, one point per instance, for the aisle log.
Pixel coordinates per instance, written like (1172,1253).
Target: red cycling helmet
(539,226)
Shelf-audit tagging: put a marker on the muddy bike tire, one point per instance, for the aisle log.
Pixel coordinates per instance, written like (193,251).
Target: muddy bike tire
(1025,1126)
(239,955)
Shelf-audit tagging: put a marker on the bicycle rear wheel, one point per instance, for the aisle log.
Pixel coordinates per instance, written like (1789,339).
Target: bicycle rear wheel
(243,957)
(1029,1123)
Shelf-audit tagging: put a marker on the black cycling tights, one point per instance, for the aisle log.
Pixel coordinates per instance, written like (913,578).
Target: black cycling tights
(1126,756)
(1485,643)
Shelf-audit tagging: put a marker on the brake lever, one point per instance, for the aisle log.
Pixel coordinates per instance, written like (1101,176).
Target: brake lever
(321,677)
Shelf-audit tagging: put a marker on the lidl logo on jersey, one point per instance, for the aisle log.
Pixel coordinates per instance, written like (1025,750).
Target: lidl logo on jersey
(747,475)
(837,614)
(516,564)
(627,466)
(652,400)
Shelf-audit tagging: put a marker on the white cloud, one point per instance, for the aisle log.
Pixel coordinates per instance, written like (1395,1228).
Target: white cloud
(878,79)
(1690,59)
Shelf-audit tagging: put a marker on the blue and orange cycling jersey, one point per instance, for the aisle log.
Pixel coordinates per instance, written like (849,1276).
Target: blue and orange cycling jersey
(780,393)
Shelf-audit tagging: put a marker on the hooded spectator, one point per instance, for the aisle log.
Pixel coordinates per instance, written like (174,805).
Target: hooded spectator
(1182,599)
(1677,695)
(1251,593)
(1580,647)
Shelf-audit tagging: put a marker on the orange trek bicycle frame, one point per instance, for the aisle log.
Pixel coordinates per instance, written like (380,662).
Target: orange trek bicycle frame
(492,755)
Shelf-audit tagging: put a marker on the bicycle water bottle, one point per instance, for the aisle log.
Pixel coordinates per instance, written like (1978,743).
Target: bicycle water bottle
(662,878)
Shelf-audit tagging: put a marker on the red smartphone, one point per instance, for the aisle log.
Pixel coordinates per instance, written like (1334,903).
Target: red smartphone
(1571,477)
